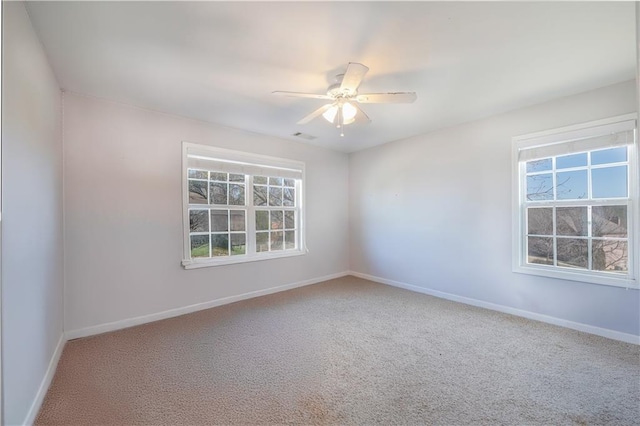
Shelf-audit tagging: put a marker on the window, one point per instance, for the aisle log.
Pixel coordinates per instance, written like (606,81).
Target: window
(240,207)
(576,203)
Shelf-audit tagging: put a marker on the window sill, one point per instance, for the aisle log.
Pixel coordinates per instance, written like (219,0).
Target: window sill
(207,263)
(592,278)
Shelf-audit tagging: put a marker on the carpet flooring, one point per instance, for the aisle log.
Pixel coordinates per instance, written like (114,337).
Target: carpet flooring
(346,351)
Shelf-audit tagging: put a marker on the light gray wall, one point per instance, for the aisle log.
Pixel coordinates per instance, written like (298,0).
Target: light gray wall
(32,258)
(124,214)
(434,211)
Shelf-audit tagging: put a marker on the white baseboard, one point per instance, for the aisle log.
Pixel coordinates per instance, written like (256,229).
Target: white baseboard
(130,322)
(46,382)
(604,332)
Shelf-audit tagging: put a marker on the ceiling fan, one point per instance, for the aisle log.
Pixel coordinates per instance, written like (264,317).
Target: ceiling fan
(343,108)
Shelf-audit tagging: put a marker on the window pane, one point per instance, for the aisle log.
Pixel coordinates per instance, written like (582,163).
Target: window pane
(259,195)
(275,196)
(260,180)
(199,246)
(275,181)
(571,185)
(236,194)
(290,240)
(277,240)
(572,253)
(199,220)
(539,165)
(218,193)
(236,178)
(237,220)
(613,155)
(262,241)
(540,221)
(220,244)
(609,221)
(262,220)
(219,220)
(540,250)
(238,244)
(289,182)
(573,160)
(571,221)
(609,182)
(218,176)
(197,192)
(198,174)
(289,197)
(289,219)
(276,220)
(610,255)
(540,187)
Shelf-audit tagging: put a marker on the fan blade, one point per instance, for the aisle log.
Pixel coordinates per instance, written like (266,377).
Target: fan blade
(387,98)
(315,114)
(353,77)
(302,95)
(362,117)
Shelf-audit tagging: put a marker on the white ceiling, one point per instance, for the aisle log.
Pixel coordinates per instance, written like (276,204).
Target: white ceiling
(220,61)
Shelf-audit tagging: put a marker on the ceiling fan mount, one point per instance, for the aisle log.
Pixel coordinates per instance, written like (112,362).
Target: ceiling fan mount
(344,106)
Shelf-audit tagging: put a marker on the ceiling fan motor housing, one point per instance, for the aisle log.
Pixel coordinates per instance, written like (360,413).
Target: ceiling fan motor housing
(335,91)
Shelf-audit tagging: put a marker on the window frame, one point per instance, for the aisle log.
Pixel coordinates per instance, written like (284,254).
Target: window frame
(251,160)
(519,204)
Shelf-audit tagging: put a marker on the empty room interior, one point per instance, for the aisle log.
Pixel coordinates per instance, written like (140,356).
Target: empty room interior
(320,213)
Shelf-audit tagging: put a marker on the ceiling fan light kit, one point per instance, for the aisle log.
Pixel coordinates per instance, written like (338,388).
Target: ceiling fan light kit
(343,108)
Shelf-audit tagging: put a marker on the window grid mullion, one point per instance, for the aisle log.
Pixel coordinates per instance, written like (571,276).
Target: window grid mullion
(554,179)
(269,233)
(524,247)
(554,183)
(210,224)
(554,240)
(590,237)
(251,216)
(228,225)
(589,183)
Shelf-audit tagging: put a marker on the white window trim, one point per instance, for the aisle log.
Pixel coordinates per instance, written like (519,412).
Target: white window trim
(631,281)
(236,157)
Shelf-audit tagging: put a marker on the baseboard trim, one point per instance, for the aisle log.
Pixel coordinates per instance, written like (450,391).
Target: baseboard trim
(46,382)
(604,332)
(131,322)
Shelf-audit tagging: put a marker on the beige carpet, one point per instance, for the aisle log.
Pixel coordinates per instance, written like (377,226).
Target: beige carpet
(347,351)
